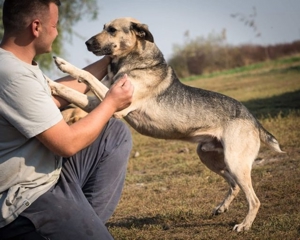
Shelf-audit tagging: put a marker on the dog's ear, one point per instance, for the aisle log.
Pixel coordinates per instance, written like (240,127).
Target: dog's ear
(142,31)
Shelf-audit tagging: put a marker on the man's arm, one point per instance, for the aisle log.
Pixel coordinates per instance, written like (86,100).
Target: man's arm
(98,69)
(66,140)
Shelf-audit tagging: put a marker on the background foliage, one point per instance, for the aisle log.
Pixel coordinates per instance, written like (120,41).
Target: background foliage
(213,53)
(194,57)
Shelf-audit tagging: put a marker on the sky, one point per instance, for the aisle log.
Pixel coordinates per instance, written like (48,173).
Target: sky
(277,21)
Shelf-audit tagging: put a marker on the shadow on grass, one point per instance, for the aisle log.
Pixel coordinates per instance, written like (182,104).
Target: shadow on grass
(158,220)
(131,222)
(274,106)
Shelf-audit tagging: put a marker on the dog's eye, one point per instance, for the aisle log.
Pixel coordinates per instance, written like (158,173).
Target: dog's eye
(111,30)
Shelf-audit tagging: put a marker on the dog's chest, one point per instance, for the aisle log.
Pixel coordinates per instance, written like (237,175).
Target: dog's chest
(113,68)
(114,71)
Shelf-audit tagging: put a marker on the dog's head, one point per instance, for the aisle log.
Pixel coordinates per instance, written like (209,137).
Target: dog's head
(119,37)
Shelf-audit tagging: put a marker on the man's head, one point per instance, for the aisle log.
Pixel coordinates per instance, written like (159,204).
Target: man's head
(31,22)
(18,14)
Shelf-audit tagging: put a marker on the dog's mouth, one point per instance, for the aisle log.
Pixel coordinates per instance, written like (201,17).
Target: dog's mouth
(97,52)
(102,51)
(94,47)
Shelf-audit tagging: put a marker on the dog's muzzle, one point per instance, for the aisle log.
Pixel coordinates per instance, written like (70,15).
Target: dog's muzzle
(90,44)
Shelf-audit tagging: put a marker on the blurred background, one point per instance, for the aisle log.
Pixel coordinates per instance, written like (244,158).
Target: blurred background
(248,50)
(196,36)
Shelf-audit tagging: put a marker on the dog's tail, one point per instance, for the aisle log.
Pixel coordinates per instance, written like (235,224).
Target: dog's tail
(269,139)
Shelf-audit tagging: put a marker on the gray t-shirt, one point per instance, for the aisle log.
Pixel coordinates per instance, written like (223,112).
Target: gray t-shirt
(27,168)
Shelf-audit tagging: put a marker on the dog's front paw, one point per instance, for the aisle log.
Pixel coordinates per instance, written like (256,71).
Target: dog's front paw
(53,89)
(63,65)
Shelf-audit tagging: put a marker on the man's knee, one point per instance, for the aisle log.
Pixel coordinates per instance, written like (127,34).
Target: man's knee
(120,127)
(118,135)
(74,221)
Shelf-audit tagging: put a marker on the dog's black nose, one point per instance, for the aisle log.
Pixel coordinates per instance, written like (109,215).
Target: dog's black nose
(88,43)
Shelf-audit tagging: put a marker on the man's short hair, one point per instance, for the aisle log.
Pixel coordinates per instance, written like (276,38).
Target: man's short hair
(17,14)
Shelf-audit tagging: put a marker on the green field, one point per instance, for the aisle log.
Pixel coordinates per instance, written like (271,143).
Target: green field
(169,194)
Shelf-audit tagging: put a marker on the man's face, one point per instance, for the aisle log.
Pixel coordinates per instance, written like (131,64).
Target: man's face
(49,30)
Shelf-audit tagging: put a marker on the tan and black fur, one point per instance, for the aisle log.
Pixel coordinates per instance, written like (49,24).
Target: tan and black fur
(227,134)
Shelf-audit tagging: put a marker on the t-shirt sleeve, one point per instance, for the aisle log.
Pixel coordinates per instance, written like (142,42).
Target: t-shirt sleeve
(27,105)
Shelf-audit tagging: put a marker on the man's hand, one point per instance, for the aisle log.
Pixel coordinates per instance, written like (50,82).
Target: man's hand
(120,94)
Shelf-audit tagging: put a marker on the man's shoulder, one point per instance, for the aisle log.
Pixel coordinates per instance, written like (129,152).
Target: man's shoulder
(9,64)
(12,68)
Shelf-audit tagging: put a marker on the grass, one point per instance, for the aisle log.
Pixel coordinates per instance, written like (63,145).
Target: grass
(169,194)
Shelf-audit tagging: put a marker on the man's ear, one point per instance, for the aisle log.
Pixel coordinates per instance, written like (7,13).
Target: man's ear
(142,31)
(36,27)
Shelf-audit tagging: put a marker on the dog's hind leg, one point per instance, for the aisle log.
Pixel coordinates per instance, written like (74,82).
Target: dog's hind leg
(241,146)
(232,193)
(214,160)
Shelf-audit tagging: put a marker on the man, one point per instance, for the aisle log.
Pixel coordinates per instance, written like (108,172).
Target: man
(56,181)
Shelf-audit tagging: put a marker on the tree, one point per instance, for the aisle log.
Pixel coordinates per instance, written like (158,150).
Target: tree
(71,12)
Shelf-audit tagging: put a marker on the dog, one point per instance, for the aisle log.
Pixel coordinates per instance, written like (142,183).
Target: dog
(227,134)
